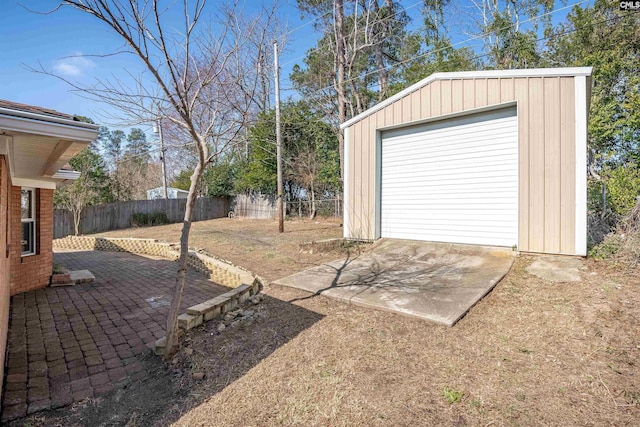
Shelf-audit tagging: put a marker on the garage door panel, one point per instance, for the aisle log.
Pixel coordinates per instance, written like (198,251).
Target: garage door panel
(478,181)
(446,150)
(452,182)
(450,136)
(447,163)
(444,140)
(454,171)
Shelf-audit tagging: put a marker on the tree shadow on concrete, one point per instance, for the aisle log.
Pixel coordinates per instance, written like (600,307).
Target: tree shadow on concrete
(409,272)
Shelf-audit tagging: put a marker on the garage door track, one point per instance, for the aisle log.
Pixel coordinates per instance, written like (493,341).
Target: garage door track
(438,282)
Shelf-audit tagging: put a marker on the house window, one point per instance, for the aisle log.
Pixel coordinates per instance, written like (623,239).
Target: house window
(28,217)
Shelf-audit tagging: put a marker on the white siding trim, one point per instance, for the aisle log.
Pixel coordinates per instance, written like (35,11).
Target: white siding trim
(487,74)
(581,164)
(377,167)
(346,232)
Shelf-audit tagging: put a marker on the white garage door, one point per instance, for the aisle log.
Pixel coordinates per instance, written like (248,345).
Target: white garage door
(452,181)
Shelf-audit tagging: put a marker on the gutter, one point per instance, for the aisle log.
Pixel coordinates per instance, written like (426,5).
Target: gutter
(46,118)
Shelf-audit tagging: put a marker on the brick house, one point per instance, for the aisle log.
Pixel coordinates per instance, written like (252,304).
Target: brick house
(34,145)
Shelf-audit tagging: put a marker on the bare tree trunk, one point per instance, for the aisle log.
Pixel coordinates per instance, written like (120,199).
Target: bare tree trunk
(76,221)
(312,194)
(379,33)
(340,75)
(172,319)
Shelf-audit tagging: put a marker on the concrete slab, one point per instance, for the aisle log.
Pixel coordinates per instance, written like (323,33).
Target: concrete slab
(438,282)
(81,276)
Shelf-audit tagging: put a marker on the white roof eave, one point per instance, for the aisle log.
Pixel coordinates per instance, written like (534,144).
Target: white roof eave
(20,121)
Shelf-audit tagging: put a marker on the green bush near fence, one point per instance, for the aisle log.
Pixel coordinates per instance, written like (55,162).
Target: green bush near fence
(141,219)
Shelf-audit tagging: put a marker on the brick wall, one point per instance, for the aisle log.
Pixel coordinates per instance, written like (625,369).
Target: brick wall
(4,263)
(34,271)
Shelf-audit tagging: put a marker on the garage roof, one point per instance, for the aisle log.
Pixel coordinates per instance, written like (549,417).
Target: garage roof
(486,74)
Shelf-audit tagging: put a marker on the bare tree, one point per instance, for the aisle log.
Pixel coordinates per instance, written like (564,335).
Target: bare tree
(200,83)
(75,198)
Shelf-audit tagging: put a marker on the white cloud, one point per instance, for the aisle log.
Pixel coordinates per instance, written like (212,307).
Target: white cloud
(73,65)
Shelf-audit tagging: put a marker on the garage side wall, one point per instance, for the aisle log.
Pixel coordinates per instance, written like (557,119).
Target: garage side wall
(546,145)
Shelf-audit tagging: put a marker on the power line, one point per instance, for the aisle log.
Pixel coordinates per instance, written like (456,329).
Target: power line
(604,21)
(301,27)
(389,17)
(430,52)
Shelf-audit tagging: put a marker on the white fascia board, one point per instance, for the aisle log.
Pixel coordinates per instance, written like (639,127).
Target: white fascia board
(346,232)
(581,165)
(47,118)
(33,183)
(57,130)
(66,174)
(486,74)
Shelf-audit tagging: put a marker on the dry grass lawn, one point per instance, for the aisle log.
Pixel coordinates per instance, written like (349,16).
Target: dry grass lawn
(253,244)
(532,352)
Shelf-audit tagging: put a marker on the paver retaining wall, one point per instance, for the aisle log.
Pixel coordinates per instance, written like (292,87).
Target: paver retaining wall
(220,271)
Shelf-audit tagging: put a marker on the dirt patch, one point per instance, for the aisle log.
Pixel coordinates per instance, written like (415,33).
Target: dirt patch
(557,268)
(533,352)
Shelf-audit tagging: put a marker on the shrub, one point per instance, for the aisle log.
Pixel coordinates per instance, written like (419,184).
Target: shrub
(140,219)
(623,187)
(624,243)
(157,218)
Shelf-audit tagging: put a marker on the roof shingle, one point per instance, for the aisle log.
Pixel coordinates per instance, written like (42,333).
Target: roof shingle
(34,109)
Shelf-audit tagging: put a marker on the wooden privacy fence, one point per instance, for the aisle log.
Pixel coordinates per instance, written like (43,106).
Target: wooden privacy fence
(114,216)
(265,207)
(257,206)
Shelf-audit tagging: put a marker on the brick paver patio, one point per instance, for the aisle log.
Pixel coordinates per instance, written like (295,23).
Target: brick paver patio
(67,344)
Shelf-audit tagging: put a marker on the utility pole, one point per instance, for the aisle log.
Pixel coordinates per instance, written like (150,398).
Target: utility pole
(278,139)
(158,130)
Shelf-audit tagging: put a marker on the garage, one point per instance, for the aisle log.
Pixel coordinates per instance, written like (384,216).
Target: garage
(439,184)
(495,158)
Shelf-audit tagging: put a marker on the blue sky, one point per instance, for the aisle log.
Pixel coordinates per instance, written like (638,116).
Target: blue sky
(57,40)
(63,41)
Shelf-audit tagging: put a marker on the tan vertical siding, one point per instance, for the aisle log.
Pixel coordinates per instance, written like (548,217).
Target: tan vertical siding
(568,166)
(373,126)
(406,108)
(469,94)
(356,181)
(493,91)
(546,150)
(536,165)
(425,102)
(388,115)
(445,97)
(397,112)
(522,95)
(365,173)
(416,105)
(436,90)
(552,165)
(457,96)
(506,90)
(480,92)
